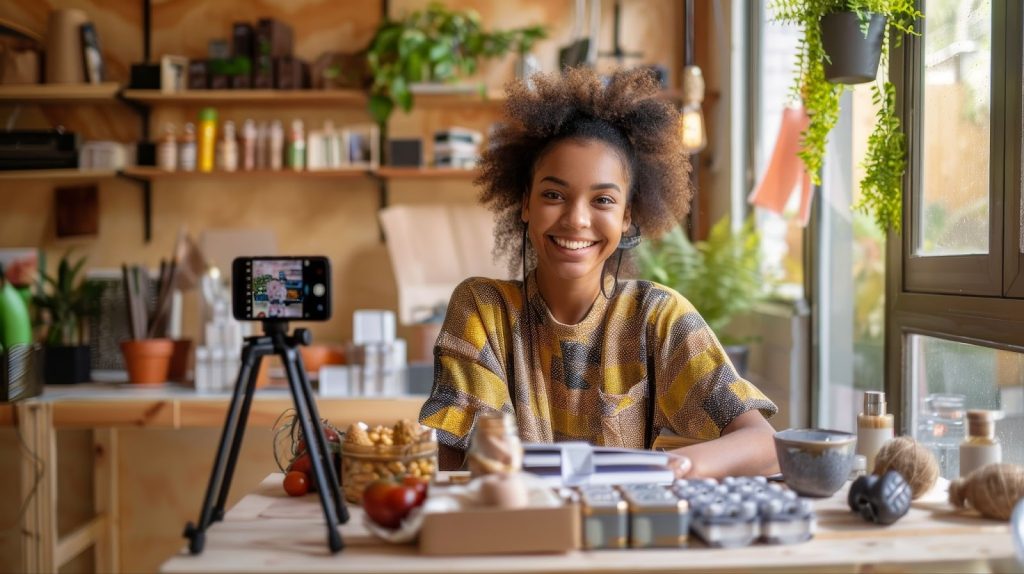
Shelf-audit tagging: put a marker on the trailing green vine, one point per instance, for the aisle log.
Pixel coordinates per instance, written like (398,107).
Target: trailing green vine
(885,161)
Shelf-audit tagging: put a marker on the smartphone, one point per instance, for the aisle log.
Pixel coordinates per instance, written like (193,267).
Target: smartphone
(281,288)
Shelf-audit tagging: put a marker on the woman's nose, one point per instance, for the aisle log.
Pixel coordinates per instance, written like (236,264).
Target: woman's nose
(576,216)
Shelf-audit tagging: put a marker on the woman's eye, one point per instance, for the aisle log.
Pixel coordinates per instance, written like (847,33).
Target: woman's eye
(551,195)
(604,200)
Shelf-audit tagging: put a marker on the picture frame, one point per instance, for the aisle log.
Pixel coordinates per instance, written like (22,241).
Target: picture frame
(173,74)
(361,145)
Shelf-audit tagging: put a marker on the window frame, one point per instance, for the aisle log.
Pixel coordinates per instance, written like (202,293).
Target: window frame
(937,298)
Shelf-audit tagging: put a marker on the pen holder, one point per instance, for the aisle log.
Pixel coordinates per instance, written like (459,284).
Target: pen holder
(148,360)
(21,372)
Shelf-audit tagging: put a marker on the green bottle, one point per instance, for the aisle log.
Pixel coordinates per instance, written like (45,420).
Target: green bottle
(15,325)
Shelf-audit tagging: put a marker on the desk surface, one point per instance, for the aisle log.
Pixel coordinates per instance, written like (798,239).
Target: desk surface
(269,532)
(174,406)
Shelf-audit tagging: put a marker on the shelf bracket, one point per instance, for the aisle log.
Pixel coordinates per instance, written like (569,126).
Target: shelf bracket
(147,203)
(382,194)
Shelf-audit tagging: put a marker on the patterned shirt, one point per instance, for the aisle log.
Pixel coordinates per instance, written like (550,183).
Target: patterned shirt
(587,381)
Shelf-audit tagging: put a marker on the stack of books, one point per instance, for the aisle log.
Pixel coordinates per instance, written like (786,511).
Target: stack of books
(579,463)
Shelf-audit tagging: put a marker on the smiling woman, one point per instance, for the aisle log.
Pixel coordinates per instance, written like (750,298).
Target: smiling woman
(577,171)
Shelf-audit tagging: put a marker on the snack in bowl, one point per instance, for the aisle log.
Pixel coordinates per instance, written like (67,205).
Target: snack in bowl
(383,452)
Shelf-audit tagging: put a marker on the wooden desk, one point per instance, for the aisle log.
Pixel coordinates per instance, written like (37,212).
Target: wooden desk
(269,532)
(105,408)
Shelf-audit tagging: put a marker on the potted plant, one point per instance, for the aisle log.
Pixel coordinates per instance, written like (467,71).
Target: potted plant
(721,276)
(65,303)
(433,45)
(842,43)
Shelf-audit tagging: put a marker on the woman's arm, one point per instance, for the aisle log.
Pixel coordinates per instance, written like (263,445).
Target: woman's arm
(746,448)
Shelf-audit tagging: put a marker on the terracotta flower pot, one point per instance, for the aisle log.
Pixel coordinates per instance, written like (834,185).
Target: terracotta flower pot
(181,360)
(148,360)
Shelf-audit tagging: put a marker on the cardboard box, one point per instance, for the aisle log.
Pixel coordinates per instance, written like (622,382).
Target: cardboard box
(500,531)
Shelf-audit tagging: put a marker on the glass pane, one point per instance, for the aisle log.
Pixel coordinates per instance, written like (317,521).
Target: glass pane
(948,378)
(957,108)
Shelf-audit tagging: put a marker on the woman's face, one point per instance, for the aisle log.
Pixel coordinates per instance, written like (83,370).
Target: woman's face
(577,210)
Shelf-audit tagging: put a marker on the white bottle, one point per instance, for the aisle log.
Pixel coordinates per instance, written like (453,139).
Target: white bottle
(874,427)
(981,447)
(276,148)
(249,137)
(227,151)
(187,149)
(167,150)
(297,146)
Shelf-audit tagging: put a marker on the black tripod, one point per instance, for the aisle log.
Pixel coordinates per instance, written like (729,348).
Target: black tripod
(275,340)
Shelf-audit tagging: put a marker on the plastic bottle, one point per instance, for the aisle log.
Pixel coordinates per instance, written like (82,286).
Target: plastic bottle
(187,149)
(276,148)
(981,447)
(15,324)
(227,151)
(263,146)
(249,136)
(167,150)
(297,147)
(207,138)
(874,427)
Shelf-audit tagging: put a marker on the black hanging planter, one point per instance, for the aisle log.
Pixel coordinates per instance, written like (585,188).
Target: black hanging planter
(67,365)
(854,56)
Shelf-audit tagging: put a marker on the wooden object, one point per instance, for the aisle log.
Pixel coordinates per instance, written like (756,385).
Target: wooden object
(932,536)
(77,210)
(64,47)
(61,93)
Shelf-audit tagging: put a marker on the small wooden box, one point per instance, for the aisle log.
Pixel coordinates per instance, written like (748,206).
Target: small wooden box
(501,531)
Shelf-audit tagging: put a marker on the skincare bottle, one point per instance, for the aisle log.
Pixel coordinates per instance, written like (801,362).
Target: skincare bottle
(167,150)
(981,447)
(227,151)
(276,148)
(297,147)
(263,145)
(874,427)
(249,135)
(187,149)
(207,138)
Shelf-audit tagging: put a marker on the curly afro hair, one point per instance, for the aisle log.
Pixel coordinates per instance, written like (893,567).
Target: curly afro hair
(623,112)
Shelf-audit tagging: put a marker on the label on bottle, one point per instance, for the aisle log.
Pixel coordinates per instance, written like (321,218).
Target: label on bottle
(870,441)
(976,455)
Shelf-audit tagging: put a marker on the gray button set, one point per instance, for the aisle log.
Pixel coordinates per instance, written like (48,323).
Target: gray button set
(738,511)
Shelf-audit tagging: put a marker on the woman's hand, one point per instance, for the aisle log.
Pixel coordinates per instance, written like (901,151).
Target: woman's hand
(680,464)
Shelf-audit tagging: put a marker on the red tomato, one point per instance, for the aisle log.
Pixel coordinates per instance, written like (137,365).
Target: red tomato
(377,506)
(302,463)
(296,483)
(402,499)
(419,485)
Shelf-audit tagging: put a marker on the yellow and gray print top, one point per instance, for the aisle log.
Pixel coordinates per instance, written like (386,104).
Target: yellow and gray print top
(587,381)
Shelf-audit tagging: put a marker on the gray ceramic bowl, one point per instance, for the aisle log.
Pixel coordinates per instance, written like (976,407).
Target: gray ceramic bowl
(815,462)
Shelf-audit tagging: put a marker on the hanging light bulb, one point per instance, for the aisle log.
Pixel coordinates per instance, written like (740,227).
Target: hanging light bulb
(692,131)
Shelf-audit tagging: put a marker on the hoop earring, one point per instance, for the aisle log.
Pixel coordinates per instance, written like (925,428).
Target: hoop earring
(615,285)
(525,226)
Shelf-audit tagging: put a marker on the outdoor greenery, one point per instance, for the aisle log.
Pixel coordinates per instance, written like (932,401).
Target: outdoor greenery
(885,161)
(434,45)
(721,276)
(66,303)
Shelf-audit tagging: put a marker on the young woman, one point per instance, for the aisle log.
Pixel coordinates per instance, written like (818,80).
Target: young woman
(577,172)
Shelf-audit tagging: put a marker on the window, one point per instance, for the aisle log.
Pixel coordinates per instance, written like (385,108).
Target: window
(955,316)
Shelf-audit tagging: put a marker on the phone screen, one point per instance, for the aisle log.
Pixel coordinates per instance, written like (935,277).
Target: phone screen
(281,288)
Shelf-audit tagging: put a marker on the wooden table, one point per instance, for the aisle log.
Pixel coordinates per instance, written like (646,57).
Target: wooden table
(105,408)
(269,532)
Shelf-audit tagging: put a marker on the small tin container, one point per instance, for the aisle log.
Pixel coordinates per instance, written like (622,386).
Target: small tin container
(604,518)
(657,518)
(725,522)
(786,519)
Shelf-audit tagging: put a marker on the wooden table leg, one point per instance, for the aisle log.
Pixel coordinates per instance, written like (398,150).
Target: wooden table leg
(108,551)
(38,486)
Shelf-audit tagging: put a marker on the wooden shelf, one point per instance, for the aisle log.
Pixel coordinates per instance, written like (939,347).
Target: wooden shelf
(60,93)
(425,173)
(152,173)
(354,98)
(79,174)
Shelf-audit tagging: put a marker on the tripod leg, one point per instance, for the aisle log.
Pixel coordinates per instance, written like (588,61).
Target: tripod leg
(316,443)
(233,426)
(249,380)
(332,472)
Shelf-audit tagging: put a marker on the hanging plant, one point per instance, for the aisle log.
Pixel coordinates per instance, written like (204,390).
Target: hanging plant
(885,160)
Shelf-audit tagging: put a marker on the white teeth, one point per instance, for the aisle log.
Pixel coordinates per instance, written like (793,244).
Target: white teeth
(574,245)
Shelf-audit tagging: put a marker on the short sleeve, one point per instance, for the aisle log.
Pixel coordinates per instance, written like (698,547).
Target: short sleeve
(469,370)
(699,390)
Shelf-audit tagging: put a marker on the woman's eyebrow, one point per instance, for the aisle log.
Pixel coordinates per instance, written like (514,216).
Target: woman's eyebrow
(555,180)
(595,187)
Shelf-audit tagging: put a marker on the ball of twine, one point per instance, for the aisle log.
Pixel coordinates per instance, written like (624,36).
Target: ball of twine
(912,460)
(992,490)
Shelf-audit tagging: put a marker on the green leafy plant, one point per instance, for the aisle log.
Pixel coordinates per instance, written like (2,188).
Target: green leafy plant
(66,302)
(433,45)
(721,276)
(885,161)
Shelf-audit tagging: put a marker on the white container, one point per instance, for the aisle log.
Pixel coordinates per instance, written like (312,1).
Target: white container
(373,326)
(981,447)
(874,427)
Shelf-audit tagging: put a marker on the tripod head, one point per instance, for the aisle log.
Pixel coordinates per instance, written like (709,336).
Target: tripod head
(301,336)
